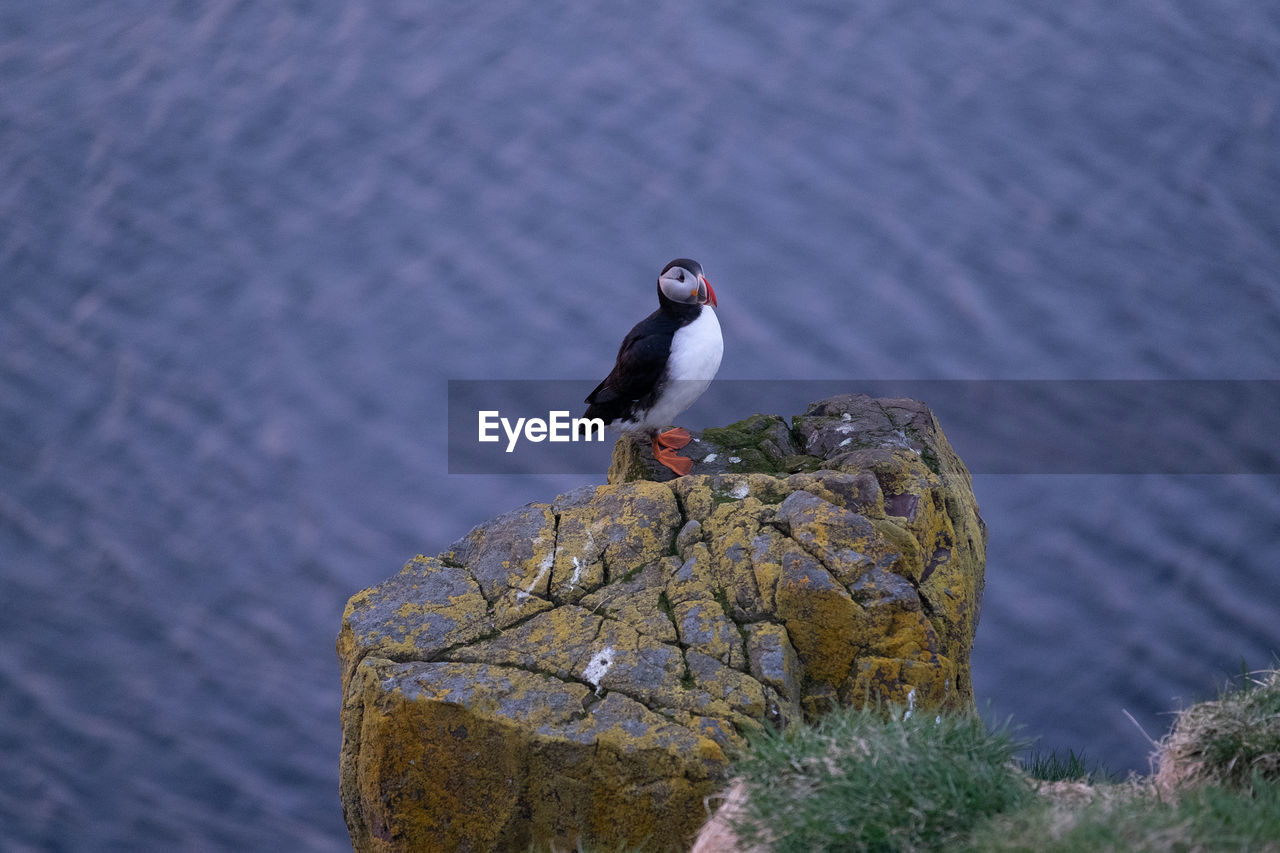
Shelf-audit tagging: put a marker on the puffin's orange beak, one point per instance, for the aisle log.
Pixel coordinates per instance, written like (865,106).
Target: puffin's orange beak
(711,294)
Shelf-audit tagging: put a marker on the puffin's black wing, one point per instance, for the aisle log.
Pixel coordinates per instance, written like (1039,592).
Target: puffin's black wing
(633,384)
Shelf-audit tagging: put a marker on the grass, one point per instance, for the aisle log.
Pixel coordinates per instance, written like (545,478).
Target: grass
(870,781)
(859,781)
(1230,741)
(1052,767)
(1135,818)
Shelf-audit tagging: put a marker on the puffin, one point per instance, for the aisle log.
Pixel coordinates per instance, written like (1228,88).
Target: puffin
(664,364)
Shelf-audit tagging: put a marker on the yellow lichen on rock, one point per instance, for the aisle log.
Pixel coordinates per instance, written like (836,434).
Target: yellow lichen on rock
(827,627)
(627,525)
(909,684)
(477,757)
(637,600)
(426,608)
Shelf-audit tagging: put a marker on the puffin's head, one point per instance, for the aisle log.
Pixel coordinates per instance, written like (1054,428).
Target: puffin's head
(682,281)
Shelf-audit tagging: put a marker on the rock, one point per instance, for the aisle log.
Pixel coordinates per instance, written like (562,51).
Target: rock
(580,670)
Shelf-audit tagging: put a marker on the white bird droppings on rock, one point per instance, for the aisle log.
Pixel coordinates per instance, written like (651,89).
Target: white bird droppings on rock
(600,663)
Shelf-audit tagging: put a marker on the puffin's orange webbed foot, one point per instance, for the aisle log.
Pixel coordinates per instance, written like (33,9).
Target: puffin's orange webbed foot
(664,450)
(675,438)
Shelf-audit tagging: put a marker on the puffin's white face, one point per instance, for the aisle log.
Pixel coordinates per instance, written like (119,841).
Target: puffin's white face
(683,281)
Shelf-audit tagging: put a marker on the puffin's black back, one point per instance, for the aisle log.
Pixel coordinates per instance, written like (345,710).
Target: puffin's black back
(636,380)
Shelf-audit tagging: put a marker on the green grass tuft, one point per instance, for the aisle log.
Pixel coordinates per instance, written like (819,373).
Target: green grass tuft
(1051,767)
(858,781)
(1232,740)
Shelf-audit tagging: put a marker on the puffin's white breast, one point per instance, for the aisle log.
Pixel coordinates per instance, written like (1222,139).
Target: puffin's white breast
(696,350)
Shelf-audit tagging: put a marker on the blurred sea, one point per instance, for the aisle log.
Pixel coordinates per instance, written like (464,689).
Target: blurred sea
(244,246)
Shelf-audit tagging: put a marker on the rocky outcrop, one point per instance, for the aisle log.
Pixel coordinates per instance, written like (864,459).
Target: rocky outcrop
(580,669)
